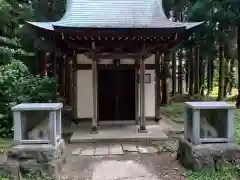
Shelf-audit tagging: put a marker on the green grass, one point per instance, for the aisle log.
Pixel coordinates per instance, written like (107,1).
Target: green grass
(174,112)
(228,173)
(4,145)
(215,92)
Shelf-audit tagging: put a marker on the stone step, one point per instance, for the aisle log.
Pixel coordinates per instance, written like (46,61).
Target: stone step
(114,149)
(76,139)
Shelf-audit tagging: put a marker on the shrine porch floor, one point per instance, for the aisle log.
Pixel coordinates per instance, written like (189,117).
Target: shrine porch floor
(164,130)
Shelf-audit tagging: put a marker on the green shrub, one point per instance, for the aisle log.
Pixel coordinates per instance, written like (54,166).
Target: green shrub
(17,85)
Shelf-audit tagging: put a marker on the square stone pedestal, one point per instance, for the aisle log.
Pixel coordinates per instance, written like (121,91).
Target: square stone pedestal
(36,159)
(207,157)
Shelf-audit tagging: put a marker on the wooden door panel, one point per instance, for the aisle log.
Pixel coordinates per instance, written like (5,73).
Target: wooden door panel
(106,95)
(116,95)
(126,95)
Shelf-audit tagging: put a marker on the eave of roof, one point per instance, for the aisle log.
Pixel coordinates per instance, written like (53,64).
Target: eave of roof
(114,14)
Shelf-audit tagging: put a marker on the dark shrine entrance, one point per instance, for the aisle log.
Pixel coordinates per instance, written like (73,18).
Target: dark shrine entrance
(116,95)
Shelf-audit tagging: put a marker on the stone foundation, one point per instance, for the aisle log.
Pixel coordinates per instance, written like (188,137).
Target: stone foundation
(35,159)
(207,157)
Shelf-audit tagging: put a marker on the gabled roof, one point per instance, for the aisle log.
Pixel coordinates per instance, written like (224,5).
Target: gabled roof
(114,14)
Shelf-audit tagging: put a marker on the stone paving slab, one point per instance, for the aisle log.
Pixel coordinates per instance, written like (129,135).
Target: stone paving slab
(129,147)
(76,151)
(88,151)
(147,149)
(102,150)
(115,149)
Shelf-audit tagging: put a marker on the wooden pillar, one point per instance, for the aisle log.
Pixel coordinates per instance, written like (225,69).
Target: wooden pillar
(157,87)
(54,69)
(70,83)
(95,93)
(61,76)
(136,91)
(74,89)
(67,78)
(142,128)
(54,65)
(42,63)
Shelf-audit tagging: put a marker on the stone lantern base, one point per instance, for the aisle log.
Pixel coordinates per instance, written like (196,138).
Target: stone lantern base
(36,160)
(207,157)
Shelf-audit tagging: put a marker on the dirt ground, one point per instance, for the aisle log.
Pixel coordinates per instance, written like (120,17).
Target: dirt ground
(129,166)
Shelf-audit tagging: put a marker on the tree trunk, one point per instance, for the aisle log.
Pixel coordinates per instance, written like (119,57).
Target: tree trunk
(180,71)
(221,72)
(238,45)
(191,72)
(209,74)
(187,74)
(202,75)
(232,78)
(197,55)
(174,73)
(165,98)
(213,73)
(238,67)
(226,79)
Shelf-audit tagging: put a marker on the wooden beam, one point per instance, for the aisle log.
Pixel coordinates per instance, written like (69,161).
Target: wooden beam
(113,67)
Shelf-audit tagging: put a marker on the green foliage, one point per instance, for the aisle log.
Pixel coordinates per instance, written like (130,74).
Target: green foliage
(10,49)
(17,85)
(26,177)
(237,125)
(227,173)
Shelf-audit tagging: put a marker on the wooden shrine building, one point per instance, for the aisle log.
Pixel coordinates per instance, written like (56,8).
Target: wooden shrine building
(115,48)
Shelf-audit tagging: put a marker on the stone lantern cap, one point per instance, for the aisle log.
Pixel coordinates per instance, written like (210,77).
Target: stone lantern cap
(37,107)
(209,105)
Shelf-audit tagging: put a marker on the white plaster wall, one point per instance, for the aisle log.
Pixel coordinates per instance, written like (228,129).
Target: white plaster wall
(150,60)
(127,61)
(149,95)
(84,88)
(84,94)
(82,59)
(105,61)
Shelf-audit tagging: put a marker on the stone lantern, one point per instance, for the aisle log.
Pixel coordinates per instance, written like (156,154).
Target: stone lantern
(208,141)
(37,123)
(38,145)
(209,122)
